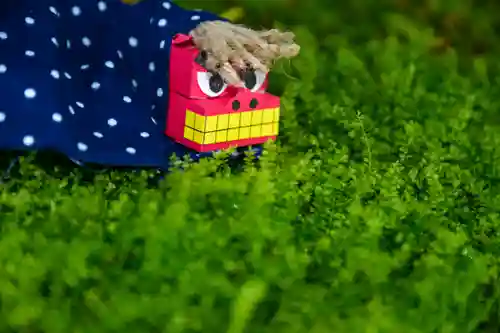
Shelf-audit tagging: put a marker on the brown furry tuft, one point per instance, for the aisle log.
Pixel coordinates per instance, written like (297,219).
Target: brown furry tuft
(231,48)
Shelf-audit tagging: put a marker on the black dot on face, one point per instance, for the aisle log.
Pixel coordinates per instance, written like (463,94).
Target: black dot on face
(236,105)
(250,79)
(254,103)
(216,83)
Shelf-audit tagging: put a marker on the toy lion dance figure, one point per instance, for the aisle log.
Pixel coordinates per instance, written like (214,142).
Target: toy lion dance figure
(120,84)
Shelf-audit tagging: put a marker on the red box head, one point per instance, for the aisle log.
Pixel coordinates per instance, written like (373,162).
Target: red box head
(206,114)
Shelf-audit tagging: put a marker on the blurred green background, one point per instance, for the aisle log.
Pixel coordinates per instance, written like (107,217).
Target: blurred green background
(471,26)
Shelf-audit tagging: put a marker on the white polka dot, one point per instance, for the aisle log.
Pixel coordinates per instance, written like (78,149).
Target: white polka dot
(151,20)
(153,120)
(29,20)
(86,41)
(166,5)
(145,134)
(2,117)
(3,68)
(67,75)
(151,67)
(159,92)
(68,44)
(82,146)
(162,44)
(80,104)
(71,110)
(54,11)
(195,17)
(130,150)
(29,53)
(86,66)
(109,64)
(162,22)
(54,40)
(3,35)
(101,5)
(76,11)
(112,122)
(127,99)
(30,93)
(98,135)
(95,85)
(54,74)
(57,117)
(28,140)
(134,83)
(76,162)
(120,54)
(132,41)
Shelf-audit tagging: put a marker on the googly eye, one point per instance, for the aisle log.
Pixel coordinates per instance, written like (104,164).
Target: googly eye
(211,84)
(253,79)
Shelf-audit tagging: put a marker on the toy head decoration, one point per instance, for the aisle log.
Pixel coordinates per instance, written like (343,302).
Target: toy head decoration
(214,105)
(206,113)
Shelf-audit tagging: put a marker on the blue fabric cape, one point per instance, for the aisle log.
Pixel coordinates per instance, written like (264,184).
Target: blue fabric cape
(89,78)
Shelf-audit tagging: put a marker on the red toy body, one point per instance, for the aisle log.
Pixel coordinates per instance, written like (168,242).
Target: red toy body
(204,114)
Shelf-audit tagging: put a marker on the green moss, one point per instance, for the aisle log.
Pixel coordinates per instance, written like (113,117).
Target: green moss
(377,211)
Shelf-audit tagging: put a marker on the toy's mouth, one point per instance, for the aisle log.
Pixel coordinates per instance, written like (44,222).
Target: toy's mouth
(233,126)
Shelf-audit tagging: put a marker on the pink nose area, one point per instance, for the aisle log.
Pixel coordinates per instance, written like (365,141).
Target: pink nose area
(244,104)
(248,101)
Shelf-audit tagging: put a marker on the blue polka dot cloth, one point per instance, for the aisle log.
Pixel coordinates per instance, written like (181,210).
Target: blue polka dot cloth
(89,78)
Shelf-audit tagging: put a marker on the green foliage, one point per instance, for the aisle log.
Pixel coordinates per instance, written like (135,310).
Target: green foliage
(377,211)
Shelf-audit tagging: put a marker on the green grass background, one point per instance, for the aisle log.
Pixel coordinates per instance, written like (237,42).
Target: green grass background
(377,211)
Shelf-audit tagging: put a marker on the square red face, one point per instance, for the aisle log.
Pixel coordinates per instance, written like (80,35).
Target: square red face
(205,114)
